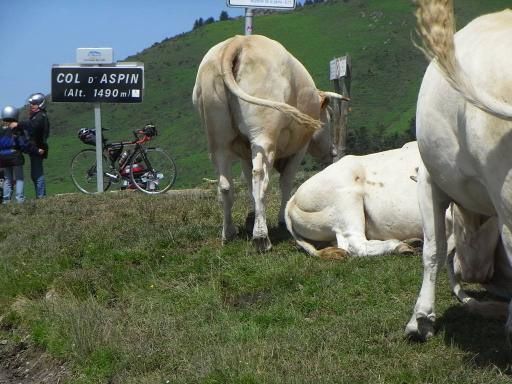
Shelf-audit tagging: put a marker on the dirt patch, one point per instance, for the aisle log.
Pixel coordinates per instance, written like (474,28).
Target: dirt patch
(23,363)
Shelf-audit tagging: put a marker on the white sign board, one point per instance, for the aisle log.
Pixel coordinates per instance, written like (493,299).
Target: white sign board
(338,68)
(279,4)
(94,56)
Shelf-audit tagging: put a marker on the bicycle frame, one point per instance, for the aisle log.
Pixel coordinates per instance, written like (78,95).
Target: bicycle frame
(121,169)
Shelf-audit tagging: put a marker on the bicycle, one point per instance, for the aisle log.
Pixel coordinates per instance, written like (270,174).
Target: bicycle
(130,163)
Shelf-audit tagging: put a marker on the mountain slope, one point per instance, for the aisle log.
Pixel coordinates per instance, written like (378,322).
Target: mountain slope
(387,71)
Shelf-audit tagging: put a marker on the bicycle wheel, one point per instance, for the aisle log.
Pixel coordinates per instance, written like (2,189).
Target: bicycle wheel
(153,171)
(83,171)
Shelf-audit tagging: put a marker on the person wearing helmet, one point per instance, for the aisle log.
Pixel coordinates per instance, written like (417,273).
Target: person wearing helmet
(13,143)
(37,126)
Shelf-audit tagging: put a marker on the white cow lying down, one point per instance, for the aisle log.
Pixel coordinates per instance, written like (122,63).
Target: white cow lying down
(374,197)
(367,205)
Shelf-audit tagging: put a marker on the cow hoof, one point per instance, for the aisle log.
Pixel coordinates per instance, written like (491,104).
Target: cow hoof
(229,235)
(333,253)
(262,244)
(404,249)
(420,328)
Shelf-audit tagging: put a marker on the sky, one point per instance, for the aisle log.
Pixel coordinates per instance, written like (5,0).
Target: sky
(34,34)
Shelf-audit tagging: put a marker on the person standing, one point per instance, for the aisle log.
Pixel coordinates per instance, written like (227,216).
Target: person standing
(11,156)
(38,129)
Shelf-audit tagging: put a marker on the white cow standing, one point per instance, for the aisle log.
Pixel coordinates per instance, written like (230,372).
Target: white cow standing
(366,205)
(260,105)
(464,132)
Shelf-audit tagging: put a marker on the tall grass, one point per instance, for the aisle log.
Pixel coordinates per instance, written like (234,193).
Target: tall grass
(127,288)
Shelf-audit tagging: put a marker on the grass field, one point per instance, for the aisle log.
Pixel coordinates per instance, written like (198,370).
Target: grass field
(127,288)
(135,289)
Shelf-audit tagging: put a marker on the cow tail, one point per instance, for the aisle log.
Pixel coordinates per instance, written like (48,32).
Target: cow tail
(330,253)
(229,56)
(436,28)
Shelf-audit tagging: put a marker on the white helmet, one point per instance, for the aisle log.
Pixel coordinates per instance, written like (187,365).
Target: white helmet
(10,113)
(37,99)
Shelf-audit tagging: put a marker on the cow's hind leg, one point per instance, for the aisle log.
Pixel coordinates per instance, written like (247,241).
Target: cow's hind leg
(247,173)
(262,161)
(358,245)
(350,229)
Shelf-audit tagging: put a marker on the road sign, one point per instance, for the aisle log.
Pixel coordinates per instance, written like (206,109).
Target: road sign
(94,56)
(278,4)
(338,68)
(121,83)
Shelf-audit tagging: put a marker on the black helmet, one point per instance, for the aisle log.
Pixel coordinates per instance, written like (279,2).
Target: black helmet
(37,99)
(150,130)
(10,113)
(87,136)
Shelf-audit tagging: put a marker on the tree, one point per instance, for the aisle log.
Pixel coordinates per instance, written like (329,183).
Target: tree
(223,16)
(209,20)
(198,23)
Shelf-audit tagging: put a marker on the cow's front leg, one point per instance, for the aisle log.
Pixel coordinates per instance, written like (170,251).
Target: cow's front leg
(287,171)
(261,165)
(433,205)
(226,194)
(421,325)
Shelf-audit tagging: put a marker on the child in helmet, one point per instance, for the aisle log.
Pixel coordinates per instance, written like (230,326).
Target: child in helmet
(13,142)
(11,158)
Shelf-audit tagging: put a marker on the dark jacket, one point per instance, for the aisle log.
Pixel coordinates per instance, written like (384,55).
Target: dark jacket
(13,143)
(38,130)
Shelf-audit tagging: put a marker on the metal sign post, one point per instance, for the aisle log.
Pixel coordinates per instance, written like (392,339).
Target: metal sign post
(99,147)
(248,21)
(101,81)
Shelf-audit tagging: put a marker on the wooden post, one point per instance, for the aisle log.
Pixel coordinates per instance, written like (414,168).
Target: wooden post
(341,70)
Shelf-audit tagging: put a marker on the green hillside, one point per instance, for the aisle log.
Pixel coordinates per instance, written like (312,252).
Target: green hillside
(387,71)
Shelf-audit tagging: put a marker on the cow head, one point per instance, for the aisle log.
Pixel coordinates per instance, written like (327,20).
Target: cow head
(326,143)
